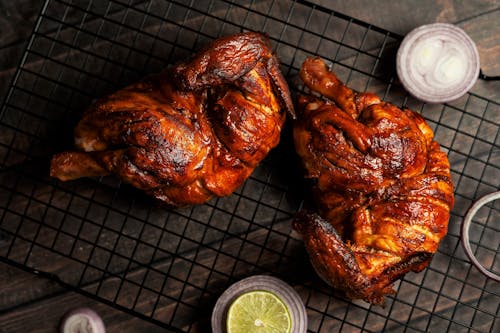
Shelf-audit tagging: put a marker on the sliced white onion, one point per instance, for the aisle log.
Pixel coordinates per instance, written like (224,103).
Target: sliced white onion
(82,320)
(426,55)
(451,66)
(437,62)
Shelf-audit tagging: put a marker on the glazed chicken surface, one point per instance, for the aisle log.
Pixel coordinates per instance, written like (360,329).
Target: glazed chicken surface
(194,131)
(382,186)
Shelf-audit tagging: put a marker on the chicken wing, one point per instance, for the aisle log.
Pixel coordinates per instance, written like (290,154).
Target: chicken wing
(381,183)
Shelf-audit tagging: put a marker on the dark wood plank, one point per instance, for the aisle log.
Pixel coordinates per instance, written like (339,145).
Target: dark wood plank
(197,278)
(402,16)
(35,300)
(16,23)
(44,315)
(19,287)
(485,32)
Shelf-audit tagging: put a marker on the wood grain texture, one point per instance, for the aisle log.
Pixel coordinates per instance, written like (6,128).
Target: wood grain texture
(45,314)
(29,303)
(402,16)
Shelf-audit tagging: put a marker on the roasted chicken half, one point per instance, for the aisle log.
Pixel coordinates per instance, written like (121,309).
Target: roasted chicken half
(382,186)
(194,131)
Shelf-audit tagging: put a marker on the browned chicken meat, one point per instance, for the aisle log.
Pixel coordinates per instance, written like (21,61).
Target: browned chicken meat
(191,132)
(382,186)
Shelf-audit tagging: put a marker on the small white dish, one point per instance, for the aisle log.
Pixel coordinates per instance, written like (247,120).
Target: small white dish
(281,289)
(471,212)
(437,63)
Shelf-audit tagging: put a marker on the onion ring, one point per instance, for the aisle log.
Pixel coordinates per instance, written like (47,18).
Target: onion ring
(465,233)
(82,320)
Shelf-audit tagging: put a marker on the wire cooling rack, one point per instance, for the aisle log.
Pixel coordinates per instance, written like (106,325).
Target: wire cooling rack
(110,242)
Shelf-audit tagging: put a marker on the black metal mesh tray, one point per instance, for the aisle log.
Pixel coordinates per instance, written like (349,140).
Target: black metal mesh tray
(110,242)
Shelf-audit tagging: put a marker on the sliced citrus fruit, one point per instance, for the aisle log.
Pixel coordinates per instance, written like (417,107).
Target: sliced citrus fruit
(258,311)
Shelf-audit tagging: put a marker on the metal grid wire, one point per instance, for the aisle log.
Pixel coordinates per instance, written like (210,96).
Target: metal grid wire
(110,242)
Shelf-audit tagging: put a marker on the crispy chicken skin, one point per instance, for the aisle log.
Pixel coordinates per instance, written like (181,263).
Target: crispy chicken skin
(194,131)
(382,186)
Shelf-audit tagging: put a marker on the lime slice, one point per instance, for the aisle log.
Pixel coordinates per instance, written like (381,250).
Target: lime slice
(258,312)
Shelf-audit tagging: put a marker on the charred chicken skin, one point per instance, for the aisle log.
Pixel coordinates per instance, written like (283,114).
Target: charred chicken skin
(382,186)
(194,131)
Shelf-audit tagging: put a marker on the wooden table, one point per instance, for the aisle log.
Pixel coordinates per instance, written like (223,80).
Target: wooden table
(29,303)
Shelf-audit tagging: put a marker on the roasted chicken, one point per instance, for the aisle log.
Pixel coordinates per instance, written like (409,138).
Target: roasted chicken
(194,131)
(381,185)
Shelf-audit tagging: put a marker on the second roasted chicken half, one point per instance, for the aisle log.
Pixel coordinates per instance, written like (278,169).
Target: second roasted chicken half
(381,183)
(194,131)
